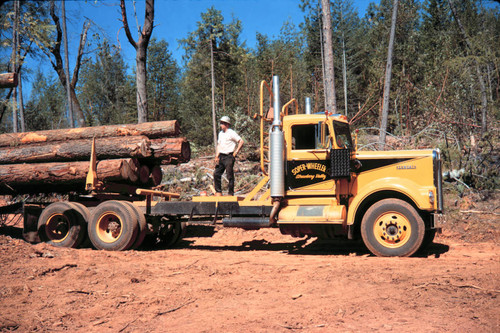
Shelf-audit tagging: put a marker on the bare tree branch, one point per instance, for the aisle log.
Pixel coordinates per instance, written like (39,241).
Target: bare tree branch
(83,41)
(125,24)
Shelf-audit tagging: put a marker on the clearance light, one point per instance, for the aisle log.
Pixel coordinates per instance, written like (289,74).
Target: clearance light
(431,197)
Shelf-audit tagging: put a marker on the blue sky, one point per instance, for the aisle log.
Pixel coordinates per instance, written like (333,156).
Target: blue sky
(175,19)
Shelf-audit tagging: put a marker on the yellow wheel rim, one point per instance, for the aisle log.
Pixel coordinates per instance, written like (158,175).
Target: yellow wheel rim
(392,229)
(109,227)
(57,227)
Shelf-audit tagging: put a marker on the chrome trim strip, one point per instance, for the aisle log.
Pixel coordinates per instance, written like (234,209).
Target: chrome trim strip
(438,178)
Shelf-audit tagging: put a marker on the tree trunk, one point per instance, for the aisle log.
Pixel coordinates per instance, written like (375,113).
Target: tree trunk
(15,45)
(77,150)
(141,47)
(21,104)
(66,64)
(344,64)
(168,149)
(328,53)
(59,64)
(54,177)
(151,130)
(214,120)
(388,75)
(141,81)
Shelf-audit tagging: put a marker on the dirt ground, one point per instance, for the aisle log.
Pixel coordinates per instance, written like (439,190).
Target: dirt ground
(231,280)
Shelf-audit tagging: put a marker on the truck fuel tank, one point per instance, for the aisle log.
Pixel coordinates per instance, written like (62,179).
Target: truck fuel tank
(302,214)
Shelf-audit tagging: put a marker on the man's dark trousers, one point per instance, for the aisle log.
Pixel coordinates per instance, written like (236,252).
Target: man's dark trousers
(226,162)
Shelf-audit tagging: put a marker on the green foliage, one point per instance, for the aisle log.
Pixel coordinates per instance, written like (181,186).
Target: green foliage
(228,54)
(163,82)
(46,108)
(106,93)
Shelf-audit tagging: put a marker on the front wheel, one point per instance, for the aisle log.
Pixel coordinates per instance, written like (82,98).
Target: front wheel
(392,228)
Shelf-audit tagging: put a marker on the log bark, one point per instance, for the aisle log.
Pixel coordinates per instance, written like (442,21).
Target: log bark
(58,177)
(77,150)
(151,130)
(171,148)
(8,80)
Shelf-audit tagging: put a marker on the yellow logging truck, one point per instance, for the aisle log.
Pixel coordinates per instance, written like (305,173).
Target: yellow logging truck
(315,183)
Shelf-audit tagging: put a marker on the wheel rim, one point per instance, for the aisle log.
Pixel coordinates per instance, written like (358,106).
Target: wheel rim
(109,227)
(392,229)
(57,227)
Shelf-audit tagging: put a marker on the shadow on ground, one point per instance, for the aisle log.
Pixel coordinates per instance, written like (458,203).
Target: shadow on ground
(303,246)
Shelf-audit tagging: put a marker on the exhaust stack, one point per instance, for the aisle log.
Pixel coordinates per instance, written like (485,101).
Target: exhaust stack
(308,105)
(277,145)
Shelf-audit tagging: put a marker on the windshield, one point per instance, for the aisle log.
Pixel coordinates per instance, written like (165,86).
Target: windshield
(342,134)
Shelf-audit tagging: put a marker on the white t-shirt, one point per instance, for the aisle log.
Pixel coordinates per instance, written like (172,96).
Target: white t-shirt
(228,141)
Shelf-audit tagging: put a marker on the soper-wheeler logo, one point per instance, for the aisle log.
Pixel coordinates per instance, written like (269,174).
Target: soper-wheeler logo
(406,167)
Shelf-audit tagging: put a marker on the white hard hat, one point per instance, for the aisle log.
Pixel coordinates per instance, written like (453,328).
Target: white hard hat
(225,119)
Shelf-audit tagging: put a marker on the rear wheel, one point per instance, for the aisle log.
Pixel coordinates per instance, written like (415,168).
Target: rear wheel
(392,227)
(113,226)
(84,212)
(143,226)
(61,224)
(172,233)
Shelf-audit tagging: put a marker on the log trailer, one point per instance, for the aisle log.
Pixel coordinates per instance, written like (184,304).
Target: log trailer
(315,182)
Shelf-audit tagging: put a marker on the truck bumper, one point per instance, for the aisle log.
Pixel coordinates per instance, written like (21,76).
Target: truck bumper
(438,220)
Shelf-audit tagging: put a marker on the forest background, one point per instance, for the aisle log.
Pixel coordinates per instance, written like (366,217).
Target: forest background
(444,91)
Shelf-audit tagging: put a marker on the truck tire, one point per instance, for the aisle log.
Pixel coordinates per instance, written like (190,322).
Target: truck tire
(113,226)
(60,224)
(85,214)
(143,226)
(392,228)
(172,233)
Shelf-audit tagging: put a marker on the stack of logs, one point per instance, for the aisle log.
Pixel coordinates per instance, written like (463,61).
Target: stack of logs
(58,160)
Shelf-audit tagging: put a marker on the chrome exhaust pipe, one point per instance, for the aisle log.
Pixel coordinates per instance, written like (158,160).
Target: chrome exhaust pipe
(308,105)
(277,147)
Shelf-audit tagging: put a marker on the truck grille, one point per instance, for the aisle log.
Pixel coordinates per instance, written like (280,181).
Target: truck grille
(340,163)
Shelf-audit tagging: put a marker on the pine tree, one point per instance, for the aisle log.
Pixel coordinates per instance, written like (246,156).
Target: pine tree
(163,82)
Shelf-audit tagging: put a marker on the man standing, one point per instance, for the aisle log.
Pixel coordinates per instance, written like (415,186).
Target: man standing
(228,146)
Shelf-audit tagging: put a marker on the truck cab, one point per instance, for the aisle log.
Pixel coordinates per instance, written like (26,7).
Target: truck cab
(392,199)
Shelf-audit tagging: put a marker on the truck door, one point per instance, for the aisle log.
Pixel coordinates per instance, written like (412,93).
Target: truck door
(308,165)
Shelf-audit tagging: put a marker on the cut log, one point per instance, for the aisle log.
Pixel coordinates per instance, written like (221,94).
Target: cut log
(151,130)
(171,149)
(143,174)
(77,150)
(156,175)
(134,171)
(58,177)
(8,80)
